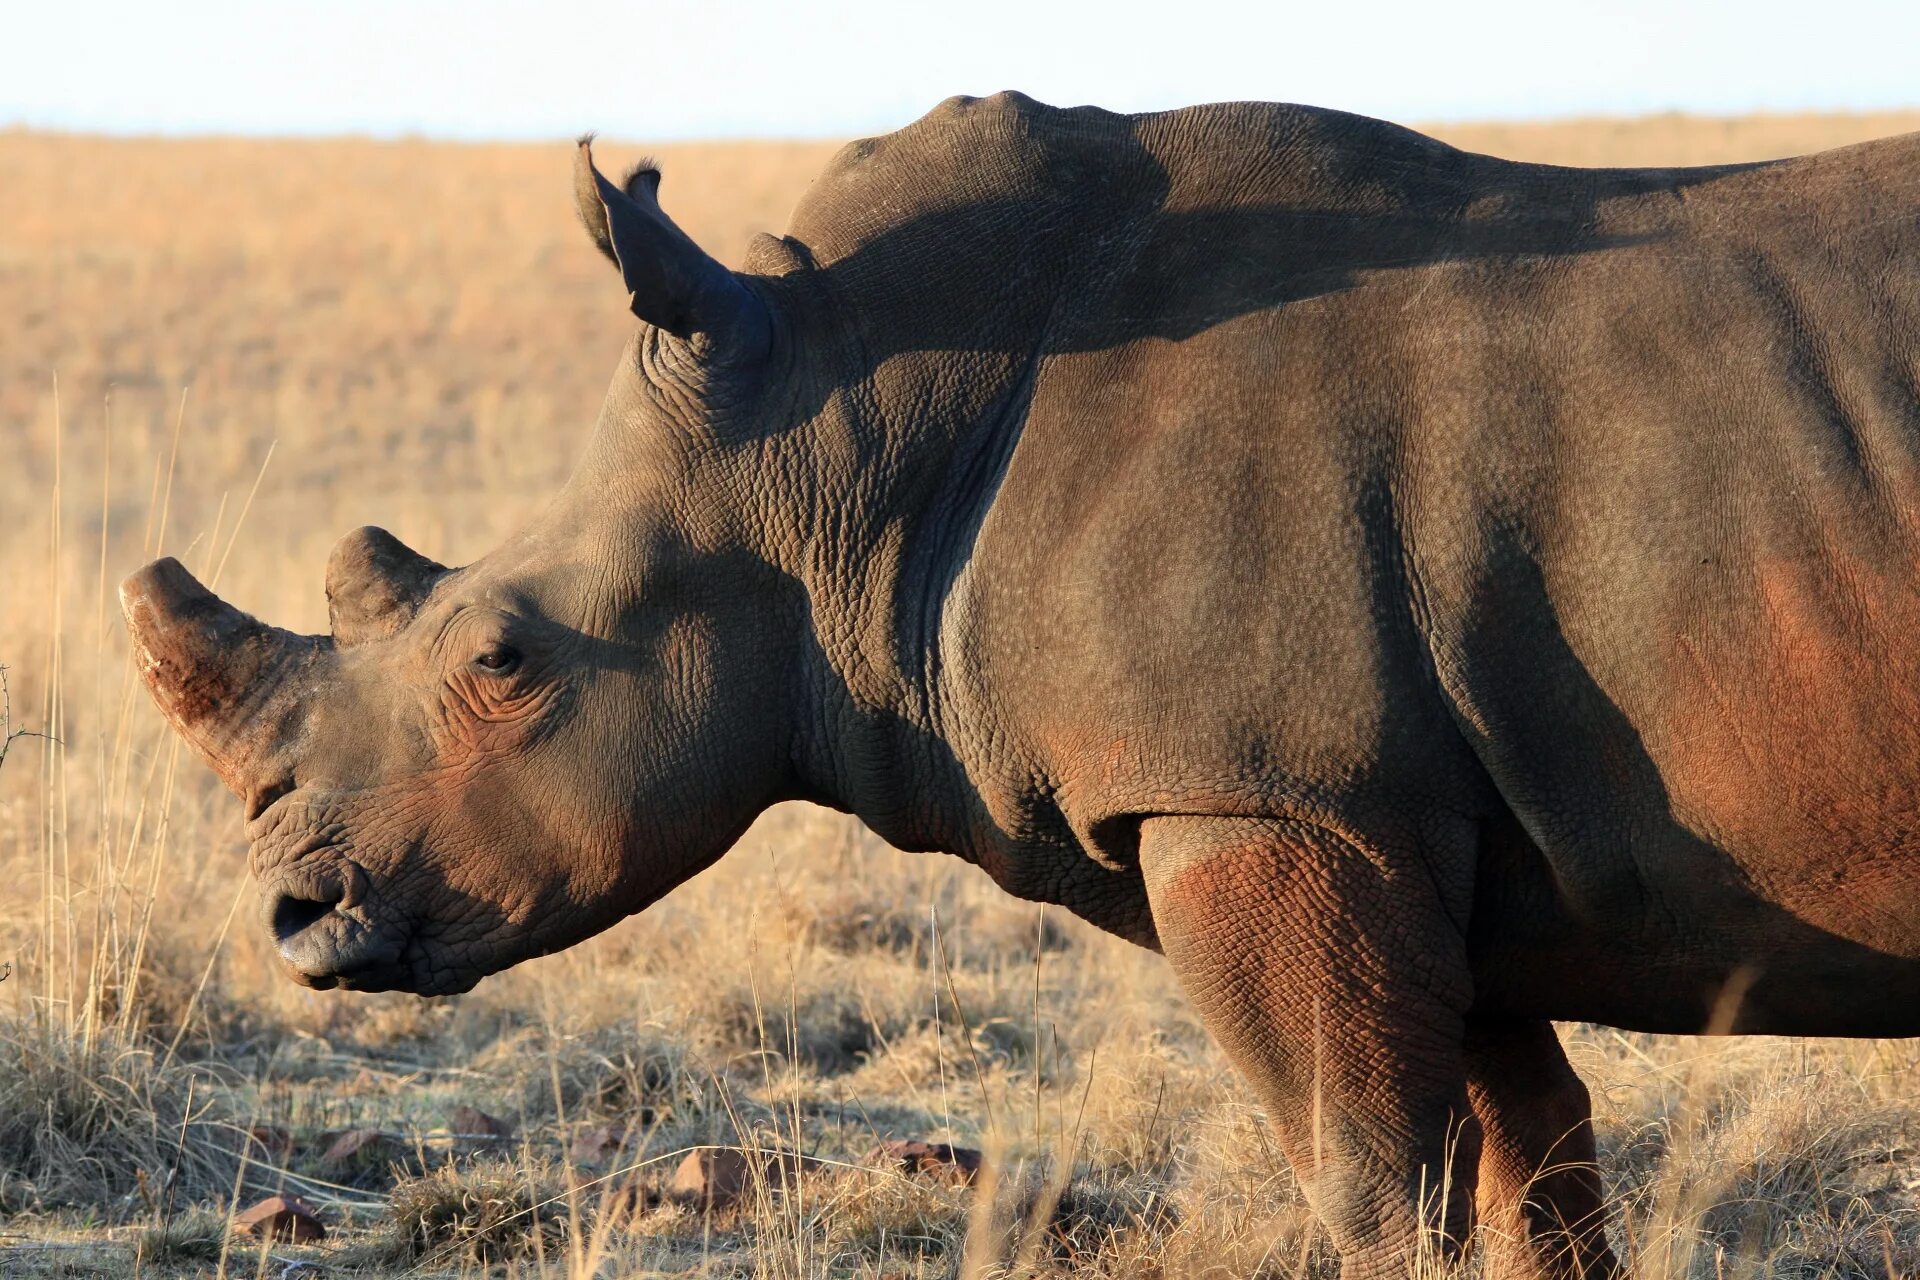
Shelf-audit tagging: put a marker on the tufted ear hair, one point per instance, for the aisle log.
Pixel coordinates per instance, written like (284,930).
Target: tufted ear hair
(375,584)
(671,282)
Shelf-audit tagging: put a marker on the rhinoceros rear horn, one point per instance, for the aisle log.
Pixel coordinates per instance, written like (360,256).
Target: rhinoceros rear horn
(227,681)
(670,280)
(375,584)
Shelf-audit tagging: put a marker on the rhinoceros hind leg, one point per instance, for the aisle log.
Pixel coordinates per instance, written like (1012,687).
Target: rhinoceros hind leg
(1539,1199)
(1327,968)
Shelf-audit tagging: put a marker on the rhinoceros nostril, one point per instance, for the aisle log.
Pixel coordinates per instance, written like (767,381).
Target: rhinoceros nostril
(293,915)
(260,799)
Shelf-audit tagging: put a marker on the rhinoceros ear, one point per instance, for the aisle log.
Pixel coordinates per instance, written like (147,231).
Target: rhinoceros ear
(671,282)
(375,584)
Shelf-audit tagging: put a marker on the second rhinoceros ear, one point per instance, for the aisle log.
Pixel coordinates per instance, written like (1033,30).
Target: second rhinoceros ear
(375,584)
(671,281)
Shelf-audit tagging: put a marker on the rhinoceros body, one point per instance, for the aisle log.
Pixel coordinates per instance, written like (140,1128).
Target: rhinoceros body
(1424,595)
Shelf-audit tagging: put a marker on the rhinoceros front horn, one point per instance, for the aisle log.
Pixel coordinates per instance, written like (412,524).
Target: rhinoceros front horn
(228,682)
(375,584)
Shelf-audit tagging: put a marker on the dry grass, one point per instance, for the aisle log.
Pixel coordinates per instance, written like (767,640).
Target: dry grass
(420,335)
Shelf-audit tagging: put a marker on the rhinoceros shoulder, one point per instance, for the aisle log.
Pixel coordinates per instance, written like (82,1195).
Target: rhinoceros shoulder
(1025,168)
(1008,192)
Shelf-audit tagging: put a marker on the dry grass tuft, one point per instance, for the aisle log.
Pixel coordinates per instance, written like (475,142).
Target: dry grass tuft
(190,1240)
(109,1124)
(484,1213)
(879,1219)
(636,1076)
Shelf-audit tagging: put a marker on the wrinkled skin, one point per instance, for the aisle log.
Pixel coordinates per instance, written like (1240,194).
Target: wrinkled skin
(1426,596)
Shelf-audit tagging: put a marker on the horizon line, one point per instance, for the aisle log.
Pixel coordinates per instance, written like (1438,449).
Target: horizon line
(383,134)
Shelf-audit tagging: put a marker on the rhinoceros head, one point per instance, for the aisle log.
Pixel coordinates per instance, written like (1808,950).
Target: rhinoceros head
(484,764)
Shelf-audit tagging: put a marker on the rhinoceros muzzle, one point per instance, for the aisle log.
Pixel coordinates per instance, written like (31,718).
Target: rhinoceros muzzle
(326,931)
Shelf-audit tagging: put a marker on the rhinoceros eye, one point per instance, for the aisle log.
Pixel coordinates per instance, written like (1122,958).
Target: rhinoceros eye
(498,659)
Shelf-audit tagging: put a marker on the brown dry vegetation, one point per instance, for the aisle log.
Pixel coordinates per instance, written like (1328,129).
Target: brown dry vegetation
(420,335)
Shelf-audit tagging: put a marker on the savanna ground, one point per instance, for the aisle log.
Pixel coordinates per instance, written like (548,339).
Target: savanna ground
(235,352)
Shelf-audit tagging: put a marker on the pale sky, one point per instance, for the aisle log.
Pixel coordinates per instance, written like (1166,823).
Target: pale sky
(652,70)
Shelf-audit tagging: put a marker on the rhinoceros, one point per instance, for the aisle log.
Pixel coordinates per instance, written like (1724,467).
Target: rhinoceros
(1423,595)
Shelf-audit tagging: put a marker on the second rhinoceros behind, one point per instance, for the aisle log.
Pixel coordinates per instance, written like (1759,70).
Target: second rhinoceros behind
(1424,595)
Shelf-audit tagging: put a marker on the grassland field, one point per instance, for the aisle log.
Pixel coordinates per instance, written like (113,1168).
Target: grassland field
(235,351)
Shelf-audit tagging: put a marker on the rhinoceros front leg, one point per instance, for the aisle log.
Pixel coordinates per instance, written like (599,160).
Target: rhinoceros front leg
(1540,1201)
(1327,968)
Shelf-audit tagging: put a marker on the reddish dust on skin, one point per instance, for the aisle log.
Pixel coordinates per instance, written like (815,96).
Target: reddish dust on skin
(1801,728)
(212,670)
(485,719)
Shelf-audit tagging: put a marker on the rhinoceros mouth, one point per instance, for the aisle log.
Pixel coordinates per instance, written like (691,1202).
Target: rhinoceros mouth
(324,948)
(338,927)
(414,971)
(363,958)
(370,978)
